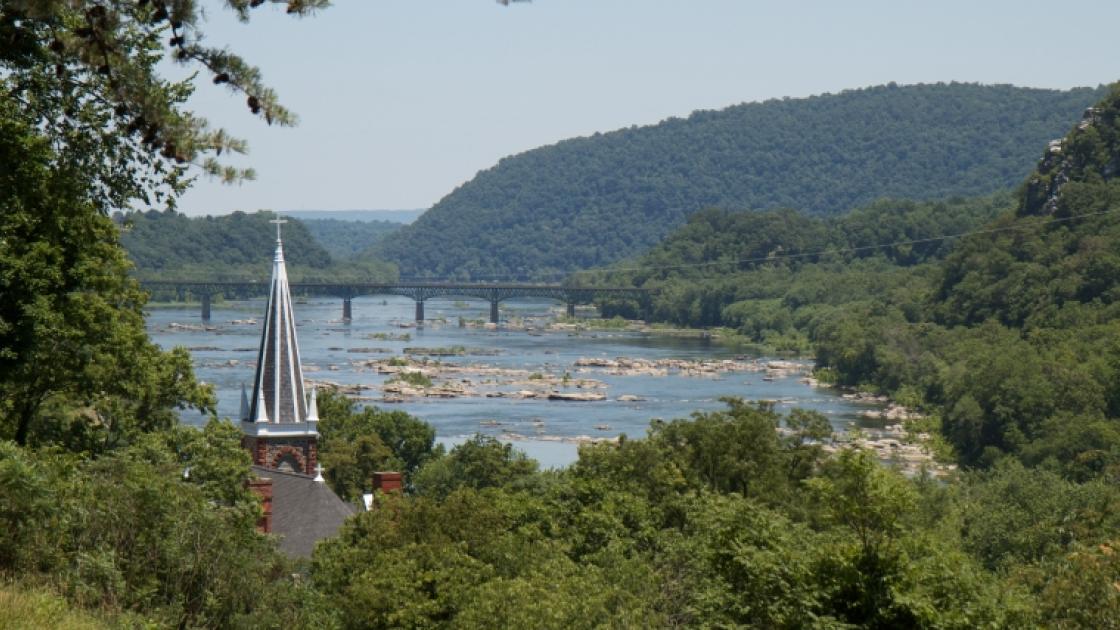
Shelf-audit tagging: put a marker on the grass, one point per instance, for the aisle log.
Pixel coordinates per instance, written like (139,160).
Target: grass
(383,336)
(614,323)
(416,379)
(450,351)
(27,608)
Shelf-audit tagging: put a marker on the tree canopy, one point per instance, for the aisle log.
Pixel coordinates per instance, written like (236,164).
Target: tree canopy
(238,246)
(87,75)
(76,365)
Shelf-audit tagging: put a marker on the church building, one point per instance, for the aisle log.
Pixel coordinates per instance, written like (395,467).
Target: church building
(279,425)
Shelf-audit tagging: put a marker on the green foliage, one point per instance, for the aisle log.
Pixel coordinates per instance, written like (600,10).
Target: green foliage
(29,608)
(649,533)
(88,75)
(857,493)
(346,240)
(996,334)
(353,444)
(1013,515)
(132,531)
(76,365)
(774,275)
(473,560)
(162,242)
(591,201)
(169,245)
(480,462)
(1079,590)
(416,379)
(1007,347)
(745,564)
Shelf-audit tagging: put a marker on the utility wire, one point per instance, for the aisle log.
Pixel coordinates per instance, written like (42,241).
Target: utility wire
(820,253)
(848,250)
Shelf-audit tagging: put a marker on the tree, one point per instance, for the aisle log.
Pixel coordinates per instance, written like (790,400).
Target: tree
(480,462)
(87,74)
(130,531)
(76,365)
(356,443)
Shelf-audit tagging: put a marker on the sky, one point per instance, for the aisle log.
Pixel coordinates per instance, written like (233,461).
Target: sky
(400,101)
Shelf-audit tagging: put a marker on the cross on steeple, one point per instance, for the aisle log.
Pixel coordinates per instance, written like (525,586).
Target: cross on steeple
(278,223)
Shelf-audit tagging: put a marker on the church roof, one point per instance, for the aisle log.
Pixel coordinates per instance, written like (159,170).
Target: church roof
(278,391)
(304,511)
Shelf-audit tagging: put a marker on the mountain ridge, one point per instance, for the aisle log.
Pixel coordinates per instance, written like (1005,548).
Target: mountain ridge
(592,200)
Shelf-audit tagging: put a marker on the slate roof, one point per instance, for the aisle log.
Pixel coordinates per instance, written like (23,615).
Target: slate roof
(304,511)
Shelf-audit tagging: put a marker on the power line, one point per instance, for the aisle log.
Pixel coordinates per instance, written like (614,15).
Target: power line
(777,257)
(844,250)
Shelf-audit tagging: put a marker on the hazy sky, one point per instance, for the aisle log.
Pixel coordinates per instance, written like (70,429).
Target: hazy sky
(401,101)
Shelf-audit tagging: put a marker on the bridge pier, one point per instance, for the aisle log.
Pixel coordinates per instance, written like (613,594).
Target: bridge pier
(419,291)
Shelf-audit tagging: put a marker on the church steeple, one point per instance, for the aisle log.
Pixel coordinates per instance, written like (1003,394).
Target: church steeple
(279,424)
(279,379)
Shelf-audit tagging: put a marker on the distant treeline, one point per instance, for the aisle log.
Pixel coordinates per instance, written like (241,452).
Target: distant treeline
(345,240)
(240,245)
(591,201)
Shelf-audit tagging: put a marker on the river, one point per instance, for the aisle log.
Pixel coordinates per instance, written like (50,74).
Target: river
(224,354)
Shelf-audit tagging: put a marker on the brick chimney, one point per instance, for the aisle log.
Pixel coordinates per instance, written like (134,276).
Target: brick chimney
(386,482)
(263,489)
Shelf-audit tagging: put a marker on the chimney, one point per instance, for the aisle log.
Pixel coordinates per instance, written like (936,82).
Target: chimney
(387,482)
(263,489)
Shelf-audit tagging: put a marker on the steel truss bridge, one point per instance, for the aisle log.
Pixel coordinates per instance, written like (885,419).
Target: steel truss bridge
(418,291)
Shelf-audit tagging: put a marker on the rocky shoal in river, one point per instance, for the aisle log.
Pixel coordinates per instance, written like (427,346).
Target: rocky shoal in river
(436,379)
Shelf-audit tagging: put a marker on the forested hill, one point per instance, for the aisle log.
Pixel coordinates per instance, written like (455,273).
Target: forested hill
(1016,347)
(757,271)
(1005,337)
(170,242)
(594,200)
(344,238)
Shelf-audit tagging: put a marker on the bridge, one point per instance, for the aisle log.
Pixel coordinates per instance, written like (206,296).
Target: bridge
(418,291)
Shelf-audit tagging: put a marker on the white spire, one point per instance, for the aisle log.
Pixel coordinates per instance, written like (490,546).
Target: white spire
(319,473)
(262,413)
(312,407)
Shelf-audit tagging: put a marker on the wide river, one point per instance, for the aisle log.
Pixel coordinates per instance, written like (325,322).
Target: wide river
(224,353)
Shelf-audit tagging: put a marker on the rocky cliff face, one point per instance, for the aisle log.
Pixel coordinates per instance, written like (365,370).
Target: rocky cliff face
(1091,151)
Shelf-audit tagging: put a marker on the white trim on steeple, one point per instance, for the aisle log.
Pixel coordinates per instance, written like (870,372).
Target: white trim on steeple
(313,406)
(278,277)
(262,412)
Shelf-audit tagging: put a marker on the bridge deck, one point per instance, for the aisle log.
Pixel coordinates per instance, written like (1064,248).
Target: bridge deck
(418,291)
